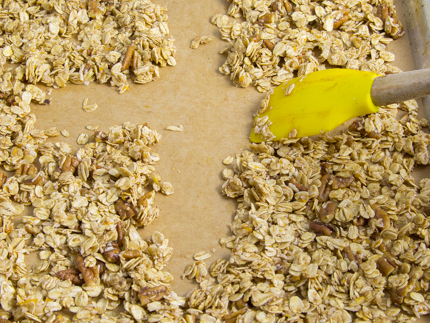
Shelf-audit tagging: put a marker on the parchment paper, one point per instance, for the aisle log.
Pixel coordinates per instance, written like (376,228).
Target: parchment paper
(216,117)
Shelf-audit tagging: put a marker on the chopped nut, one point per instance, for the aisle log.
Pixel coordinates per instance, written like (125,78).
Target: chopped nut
(26,169)
(120,233)
(89,275)
(384,266)
(127,58)
(341,182)
(326,214)
(325,188)
(397,295)
(124,210)
(72,275)
(299,186)
(233,316)
(152,294)
(130,254)
(112,252)
(320,228)
(382,214)
(69,164)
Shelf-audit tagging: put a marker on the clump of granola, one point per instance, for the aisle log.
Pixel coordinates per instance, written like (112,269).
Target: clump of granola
(282,39)
(82,227)
(60,42)
(327,229)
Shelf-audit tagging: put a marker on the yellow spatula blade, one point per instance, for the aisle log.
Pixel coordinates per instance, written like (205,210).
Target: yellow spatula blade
(318,102)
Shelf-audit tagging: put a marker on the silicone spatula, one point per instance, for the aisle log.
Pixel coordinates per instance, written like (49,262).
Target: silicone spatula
(323,100)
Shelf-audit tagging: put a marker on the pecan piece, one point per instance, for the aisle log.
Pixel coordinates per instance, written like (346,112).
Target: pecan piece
(373,134)
(397,295)
(70,164)
(231,318)
(26,169)
(72,274)
(130,254)
(146,199)
(151,294)
(299,186)
(384,266)
(321,228)
(111,252)
(288,6)
(120,232)
(326,214)
(124,210)
(349,141)
(348,252)
(339,22)
(342,182)
(127,58)
(326,168)
(325,188)
(10,100)
(269,44)
(380,213)
(387,254)
(37,179)
(88,274)
(359,221)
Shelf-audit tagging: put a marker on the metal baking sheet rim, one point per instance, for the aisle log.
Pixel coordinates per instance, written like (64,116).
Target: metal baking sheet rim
(417,20)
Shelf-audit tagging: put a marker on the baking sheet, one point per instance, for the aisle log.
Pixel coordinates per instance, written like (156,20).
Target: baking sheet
(216,117)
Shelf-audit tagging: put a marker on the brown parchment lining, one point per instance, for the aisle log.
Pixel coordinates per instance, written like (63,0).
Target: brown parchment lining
(216,117)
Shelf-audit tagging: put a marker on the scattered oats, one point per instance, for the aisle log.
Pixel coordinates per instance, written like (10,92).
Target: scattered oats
(228,160)
(201,255)
(293,133)
(174,128)
(167,188)
(92,128)
(65,133)
(51,132)
(90,108)
(82,139)
(227,173)
(213,250)
(289,89)
(196,42)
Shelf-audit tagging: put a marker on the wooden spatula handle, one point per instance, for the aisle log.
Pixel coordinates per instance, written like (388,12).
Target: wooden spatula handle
(396,88)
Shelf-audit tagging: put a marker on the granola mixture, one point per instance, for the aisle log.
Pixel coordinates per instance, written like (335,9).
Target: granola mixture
(330,229)
(59,42)
(88,259)
(327,229)
(276,40)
